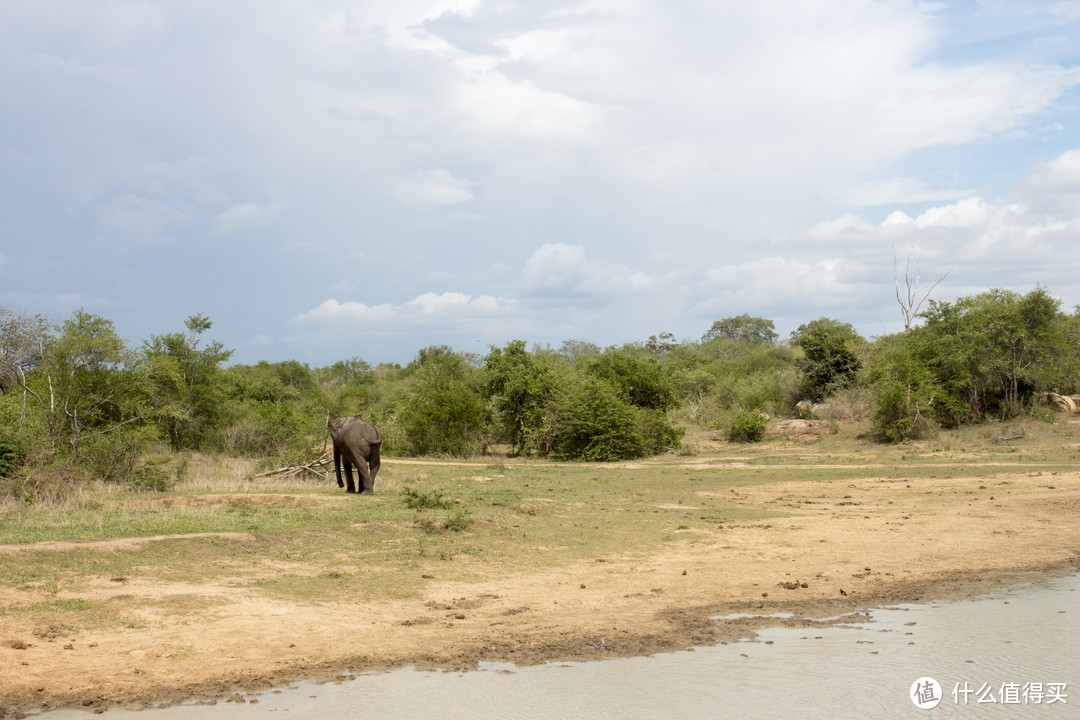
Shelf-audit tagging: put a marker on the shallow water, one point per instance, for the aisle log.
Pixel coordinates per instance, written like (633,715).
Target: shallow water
(997,646)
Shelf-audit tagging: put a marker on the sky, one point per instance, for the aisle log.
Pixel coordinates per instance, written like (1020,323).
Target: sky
(328,180)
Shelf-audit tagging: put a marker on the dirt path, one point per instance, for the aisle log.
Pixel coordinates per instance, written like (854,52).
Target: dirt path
(849,545)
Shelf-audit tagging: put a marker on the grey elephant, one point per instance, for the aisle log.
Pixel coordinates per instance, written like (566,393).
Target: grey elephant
(356,442)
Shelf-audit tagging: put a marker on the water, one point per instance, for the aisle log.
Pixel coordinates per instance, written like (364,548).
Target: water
(1030,634)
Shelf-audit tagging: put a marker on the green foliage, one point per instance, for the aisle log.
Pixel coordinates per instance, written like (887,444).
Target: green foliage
(748,426)
(86,383)
(993,351)
(152,475)
(714,380)
(743,328)
(187,384)
(443,411)
(271,409)
(459,521)
(419,500)
(988,356)
(907,393)
(661,344)
(658,434)
(829,361)
(640,381)
(12,455)
(522,387)
(595,423)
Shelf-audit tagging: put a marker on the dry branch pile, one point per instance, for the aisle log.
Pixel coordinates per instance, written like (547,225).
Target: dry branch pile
(320,468)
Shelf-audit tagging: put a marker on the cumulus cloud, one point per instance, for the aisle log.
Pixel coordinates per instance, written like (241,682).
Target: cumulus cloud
(426,308)
(1055,184)
(772,281)
(557,267)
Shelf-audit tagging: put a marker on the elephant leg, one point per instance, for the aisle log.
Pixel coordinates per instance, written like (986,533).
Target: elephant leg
(350,486)
(373,470)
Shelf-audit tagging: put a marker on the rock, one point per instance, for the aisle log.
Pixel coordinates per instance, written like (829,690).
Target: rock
(1061,403)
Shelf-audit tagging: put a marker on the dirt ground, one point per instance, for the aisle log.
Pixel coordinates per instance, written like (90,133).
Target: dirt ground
(850,545)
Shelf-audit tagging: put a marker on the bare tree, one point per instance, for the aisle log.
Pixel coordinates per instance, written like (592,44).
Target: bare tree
(913,296)
(22,343)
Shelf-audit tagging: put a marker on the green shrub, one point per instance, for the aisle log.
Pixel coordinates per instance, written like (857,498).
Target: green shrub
(443,412)
(594,423)
(417,500)
(12,455)
(748,426)
(900,414)
(152,475)
(459,520)
(657,433)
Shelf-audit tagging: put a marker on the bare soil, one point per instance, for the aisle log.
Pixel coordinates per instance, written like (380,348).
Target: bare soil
(848,546)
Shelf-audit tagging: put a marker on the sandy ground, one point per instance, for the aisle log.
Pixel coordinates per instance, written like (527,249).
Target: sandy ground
(851,545)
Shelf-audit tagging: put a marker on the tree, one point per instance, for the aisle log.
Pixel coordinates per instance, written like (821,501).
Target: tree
(187,382)
(662,344)
(594,423)
(573,350)
(913,297)
(640,381)
(522,387)
(86,382)
(443,411)
(22,345)
(744,328)
(829,362)
(908,394)
(993,350)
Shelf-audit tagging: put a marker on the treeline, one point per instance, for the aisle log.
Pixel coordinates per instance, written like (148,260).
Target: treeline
(78,396)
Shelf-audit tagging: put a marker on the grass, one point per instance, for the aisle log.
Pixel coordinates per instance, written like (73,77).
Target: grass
(309,540)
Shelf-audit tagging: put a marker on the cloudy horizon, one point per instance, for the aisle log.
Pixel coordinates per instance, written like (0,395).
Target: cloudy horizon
(336,180)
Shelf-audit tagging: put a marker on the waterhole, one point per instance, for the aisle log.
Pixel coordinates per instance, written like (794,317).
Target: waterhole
(1013,655)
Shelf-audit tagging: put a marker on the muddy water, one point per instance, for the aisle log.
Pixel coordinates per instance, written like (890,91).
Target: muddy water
(997,648)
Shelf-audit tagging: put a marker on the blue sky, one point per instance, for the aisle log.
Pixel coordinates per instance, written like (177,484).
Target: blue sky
(335,179)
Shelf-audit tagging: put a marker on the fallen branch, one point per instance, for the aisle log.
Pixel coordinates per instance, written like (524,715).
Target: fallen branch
(314,467)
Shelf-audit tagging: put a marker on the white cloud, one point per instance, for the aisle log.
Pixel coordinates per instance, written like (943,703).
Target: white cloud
(244,217)
(557,267)
(968,213)
(424,309)
(773,281)
(898,190)
(830,230)
(1061,174)
(428,189)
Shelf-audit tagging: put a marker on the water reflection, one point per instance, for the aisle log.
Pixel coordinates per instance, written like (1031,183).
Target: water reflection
(1030,634)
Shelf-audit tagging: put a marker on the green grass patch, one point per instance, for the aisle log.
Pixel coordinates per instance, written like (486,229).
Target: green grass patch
(450,521)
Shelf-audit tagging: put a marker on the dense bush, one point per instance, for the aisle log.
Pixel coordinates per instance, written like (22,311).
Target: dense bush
(11,456)
(443,412)
(77,401)
(595,423)
(748,426)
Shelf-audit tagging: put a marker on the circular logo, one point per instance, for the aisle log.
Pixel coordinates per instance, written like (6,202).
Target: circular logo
(925,693)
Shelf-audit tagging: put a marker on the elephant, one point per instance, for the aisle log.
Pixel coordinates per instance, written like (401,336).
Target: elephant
(356,442)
